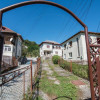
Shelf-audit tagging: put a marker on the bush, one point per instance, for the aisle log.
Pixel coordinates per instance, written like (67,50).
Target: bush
(77,69)
(55,59)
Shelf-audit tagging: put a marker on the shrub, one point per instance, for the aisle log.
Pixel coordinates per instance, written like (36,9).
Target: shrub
(55,59)
(77,69)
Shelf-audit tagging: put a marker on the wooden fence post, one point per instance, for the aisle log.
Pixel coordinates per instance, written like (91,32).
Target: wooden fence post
(71,66)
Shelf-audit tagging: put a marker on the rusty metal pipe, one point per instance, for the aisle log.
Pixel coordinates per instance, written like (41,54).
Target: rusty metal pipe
(27,67)
(42,2)
(14,77)
(89,64)
(1,40)
(0,21)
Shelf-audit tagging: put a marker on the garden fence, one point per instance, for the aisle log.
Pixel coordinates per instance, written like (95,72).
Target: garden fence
(20,84)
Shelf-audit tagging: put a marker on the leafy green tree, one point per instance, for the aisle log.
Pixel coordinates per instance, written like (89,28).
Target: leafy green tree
(30,48)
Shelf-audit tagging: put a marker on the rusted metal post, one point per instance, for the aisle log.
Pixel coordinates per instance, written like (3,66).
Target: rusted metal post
(0,21)
(70,66)
(89,64)
(24,85)
(98,74)
(31,76)
(1,40)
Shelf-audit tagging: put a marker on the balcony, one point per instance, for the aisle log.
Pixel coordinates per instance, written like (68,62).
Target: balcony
(8,42)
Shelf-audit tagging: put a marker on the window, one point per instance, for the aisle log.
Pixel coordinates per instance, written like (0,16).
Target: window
(19,43)
(70,43)
(13,49)
(56,52)
(78,46)
(59,47)
(90,40)
(53,46)
(64,46)
(48,46)
(98,40)
(7,48)
(70,54)
(56,47)
(64,56)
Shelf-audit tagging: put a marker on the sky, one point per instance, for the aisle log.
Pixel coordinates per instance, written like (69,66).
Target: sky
(41,22)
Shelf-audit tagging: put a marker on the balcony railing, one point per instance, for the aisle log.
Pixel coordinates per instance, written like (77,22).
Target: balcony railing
(8,42)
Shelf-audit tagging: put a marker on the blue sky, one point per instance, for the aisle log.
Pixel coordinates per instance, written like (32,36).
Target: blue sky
(41,22)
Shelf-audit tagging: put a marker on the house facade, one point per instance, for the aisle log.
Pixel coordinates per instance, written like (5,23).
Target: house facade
(74,48)
(50,48)
(12,45)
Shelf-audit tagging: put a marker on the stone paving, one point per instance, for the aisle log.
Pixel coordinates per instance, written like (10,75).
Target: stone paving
(44,95)
(13,90)
(83,85)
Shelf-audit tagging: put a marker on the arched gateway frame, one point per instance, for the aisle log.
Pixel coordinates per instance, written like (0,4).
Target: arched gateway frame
(93,94)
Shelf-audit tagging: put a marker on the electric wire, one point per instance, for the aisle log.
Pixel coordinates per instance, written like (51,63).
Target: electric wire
(86,13)
(98,27)
(67,23)
(76,12)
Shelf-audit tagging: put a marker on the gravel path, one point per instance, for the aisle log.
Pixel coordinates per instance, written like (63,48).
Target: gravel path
(13,90)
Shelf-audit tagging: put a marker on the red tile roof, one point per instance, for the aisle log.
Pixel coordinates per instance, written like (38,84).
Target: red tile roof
(79,33)
(50,42)
(5,29)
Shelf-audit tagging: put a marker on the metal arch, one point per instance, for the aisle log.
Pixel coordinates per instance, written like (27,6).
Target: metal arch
(68,11)
(42,2)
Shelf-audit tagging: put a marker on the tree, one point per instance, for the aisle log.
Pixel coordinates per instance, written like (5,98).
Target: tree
(31,50)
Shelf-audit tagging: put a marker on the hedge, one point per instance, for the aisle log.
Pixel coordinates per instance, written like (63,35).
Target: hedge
(77,69)
(55,59)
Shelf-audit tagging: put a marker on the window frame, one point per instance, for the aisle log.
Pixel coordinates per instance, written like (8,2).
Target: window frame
(70,43)
(48,46)
(71,55)
(6,48)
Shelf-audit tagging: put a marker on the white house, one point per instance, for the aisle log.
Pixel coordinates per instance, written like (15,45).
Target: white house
(50,48)
(12,45)
(74,48)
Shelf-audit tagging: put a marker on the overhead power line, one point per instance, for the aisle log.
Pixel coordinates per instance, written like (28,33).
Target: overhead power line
(98,27)
(77,8)
(85,13)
